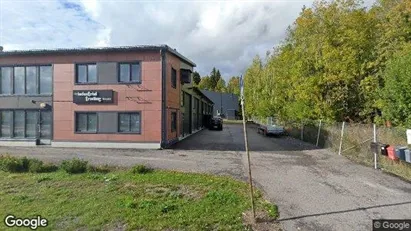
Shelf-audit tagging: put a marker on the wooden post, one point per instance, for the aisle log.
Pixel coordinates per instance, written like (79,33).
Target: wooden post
(250,179)
(375,141)
(342,136)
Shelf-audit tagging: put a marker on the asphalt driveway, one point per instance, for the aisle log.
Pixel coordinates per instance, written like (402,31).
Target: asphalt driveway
(314,189)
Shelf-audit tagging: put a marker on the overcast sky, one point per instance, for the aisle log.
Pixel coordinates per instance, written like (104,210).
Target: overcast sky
(226,34)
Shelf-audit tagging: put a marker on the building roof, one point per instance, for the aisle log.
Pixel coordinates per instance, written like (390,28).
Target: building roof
(228,101)
(198,91)
(81,50)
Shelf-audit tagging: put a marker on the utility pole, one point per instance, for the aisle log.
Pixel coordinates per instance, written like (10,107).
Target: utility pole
(250,179)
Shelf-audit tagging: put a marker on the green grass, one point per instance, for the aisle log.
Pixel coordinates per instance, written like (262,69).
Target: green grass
(157,200)
(399,168)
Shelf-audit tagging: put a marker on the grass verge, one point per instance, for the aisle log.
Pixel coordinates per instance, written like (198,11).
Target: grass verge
(123,200)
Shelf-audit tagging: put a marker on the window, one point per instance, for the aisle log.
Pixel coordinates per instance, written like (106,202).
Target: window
(31,124)
(6,75)
(31,80)
(173,78)
(5,123)
(18,124)
(129,122)
(46,80)
(130,73)
(173,121)
(19,79)
(86,73)
(86,122)
(26,80)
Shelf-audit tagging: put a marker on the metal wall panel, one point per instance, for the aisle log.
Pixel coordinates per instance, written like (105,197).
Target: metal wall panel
(107,73)
(107,122)
(24,102)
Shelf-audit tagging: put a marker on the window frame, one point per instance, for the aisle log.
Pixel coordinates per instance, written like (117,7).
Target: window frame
(76,131)
(12,135)
(130,64)
(76,71)
(173,78)
(129,113)
(37,66)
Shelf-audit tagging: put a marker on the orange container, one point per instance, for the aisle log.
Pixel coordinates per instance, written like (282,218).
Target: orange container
(391,153)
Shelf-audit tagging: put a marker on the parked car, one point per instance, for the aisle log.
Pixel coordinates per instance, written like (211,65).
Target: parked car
(271,130)
(216,123)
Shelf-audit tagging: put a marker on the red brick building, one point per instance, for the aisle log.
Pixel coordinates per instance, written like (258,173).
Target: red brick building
(117,97)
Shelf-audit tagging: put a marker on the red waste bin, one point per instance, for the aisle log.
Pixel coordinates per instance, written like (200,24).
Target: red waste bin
(391,153)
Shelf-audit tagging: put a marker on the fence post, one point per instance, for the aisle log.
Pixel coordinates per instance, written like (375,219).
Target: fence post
(375,141)
(302,130)
(318,134)
(342,136)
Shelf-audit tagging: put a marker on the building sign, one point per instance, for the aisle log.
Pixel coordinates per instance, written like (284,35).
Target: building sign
(93,96)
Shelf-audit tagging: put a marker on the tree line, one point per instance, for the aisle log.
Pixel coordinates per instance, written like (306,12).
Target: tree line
(340,61)
(215,82)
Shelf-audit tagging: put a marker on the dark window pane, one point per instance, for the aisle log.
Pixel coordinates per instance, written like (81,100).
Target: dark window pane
(92,123)
(31,80)
(31,123)
(173,78)
(6,75)
(19,80)
(45,80)
(135,122)
(45,124)
(124,73)
(135,73)
(5,123)
(124,123)
(92,73)
(82,74)
(173,121)
(18,124)
(81,122)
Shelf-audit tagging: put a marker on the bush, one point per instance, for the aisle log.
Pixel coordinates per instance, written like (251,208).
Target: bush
(74,166)
(38,166)
(99,169)
(14,164)
(141,169)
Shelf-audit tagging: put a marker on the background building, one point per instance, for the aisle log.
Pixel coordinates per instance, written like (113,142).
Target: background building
(225,104)
(97,97)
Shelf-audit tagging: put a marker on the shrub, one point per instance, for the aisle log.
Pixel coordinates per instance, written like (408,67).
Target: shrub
(99,169)
(74,166)
(141,169)
(14,164)
(38,166)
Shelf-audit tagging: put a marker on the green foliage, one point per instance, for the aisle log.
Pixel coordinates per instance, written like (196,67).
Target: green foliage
(396,93)
(74,166)
(14,164)
(37,166)
(141,169)
(331,64)
(23,164)
(233,85)
(196,78)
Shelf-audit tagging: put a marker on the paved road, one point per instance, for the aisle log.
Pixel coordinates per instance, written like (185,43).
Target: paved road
(314,189)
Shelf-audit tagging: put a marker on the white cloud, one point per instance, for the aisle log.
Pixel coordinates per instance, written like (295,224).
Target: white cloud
(226,34)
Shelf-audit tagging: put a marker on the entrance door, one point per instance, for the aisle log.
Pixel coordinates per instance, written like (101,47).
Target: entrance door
(45,124)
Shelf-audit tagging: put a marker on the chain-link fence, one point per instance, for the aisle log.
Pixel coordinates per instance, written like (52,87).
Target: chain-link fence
(352,140)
